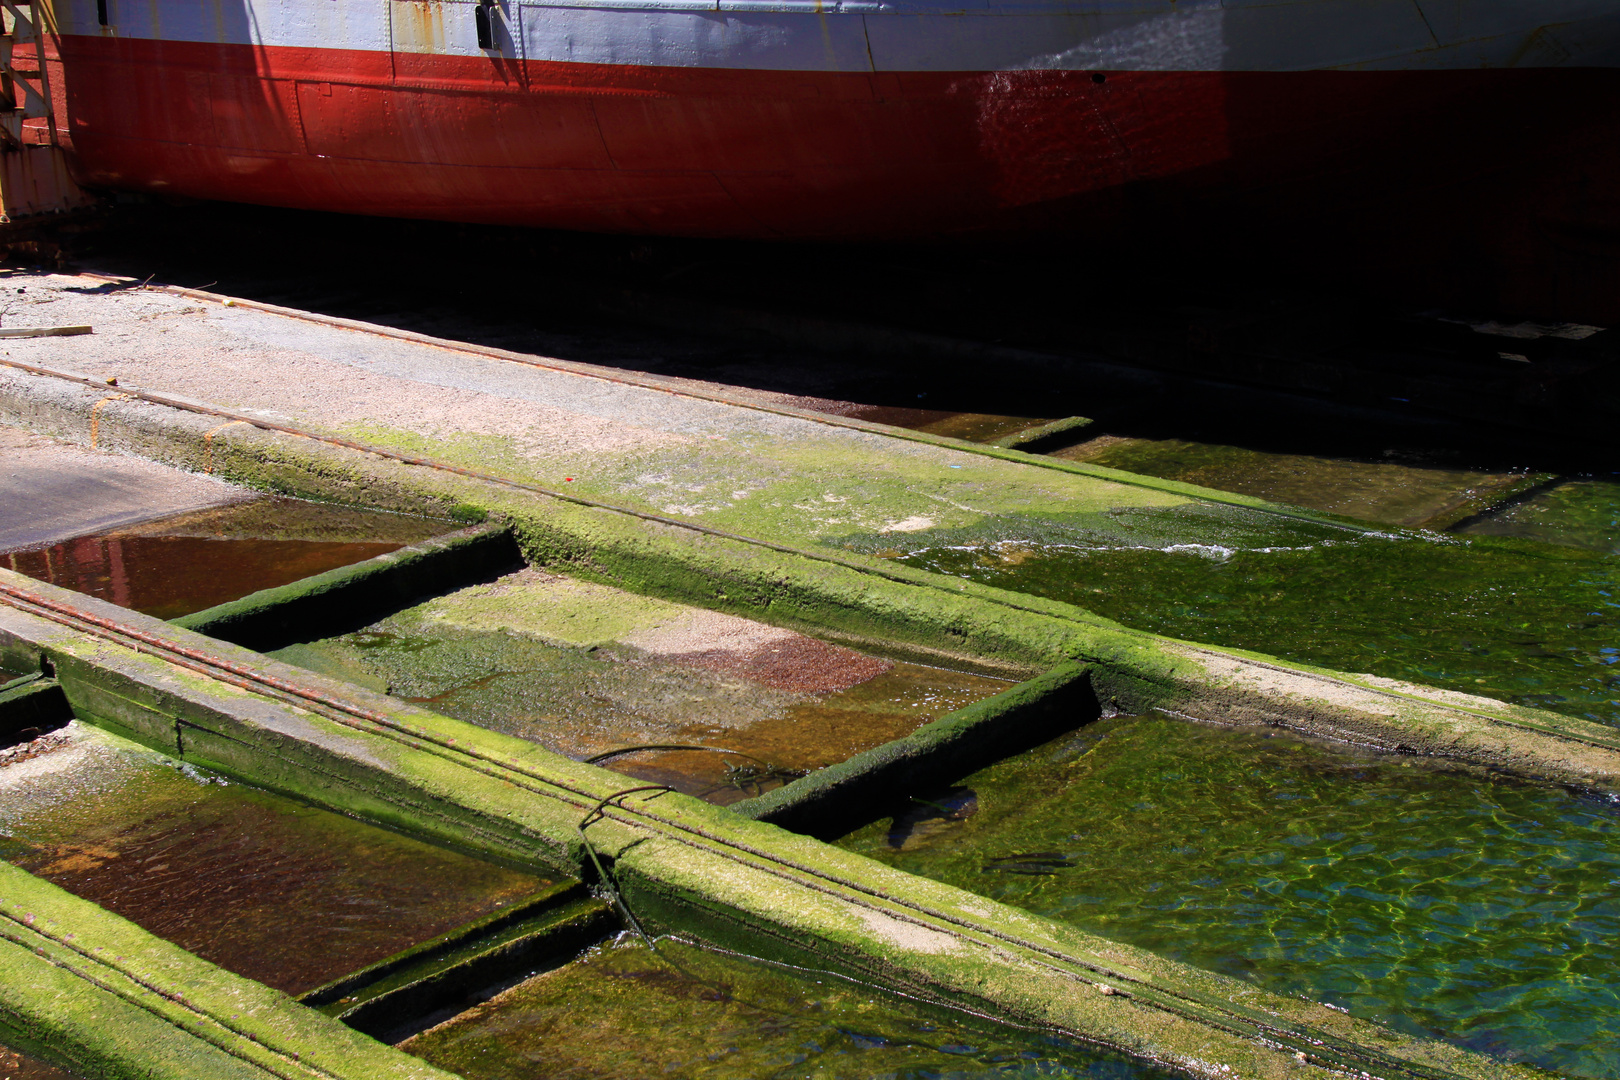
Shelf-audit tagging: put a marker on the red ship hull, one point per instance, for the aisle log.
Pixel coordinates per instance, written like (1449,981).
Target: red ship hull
(1497,171)
(759,153)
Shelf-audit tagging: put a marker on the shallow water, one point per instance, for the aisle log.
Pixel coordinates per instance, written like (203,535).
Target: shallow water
(582,702)
(1525,622)
(15,1065)
(1439,902)
(588,670)
(179,565)
(284,893)
(1582,512)
(624,1013)
(973,427)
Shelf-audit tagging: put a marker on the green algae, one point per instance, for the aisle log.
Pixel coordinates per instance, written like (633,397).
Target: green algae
(1388,490)
(1437,902)
(544,674)
(281,892)
(1523,622)
(576,701)
(798,489)
(1583,512)
(1189,526)
(569,613)
(624,1012)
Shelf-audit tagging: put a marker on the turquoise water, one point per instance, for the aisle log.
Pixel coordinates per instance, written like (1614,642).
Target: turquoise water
(624,1012)
(1437,902)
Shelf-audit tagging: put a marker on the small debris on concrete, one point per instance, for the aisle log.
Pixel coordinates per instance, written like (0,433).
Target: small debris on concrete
(34,748)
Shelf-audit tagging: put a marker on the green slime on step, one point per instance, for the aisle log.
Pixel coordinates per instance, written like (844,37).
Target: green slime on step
(280,892)
(1577,513)
(623,1012)
(1440,902)
(1396,490)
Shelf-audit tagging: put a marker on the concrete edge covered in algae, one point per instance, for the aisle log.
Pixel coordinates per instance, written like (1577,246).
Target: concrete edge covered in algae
(88,990)
(859,601)
(682,865)
(833,800)
(270,618)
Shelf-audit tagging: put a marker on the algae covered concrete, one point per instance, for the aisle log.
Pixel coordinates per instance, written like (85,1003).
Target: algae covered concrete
(87,990)
(678,863)
(712,704)
(798,479)
(831,800)
(351,596)
(854,598)
(287,894)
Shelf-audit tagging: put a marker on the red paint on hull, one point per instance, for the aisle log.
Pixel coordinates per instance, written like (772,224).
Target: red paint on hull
(1491,167)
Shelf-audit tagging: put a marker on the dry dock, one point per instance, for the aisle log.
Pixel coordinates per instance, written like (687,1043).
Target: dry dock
(729,550)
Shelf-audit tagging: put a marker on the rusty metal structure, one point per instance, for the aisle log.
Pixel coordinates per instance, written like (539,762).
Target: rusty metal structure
(34,176)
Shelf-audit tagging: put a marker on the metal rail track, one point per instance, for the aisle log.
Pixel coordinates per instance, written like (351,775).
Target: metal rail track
(1320,1048)
(690,389)
(128,391)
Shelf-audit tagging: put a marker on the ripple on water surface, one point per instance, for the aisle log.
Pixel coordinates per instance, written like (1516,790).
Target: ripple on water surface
(625,1013)
(1438,902)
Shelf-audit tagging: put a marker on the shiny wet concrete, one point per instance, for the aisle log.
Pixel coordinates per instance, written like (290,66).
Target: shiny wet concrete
(265,887)
(178,564)
(714,705)
(54,491)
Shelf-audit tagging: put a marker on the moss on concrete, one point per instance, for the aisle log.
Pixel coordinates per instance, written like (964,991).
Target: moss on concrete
(351,596)
(831,801)
(91,991)
(858,599)
(686,865)
(559,611)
